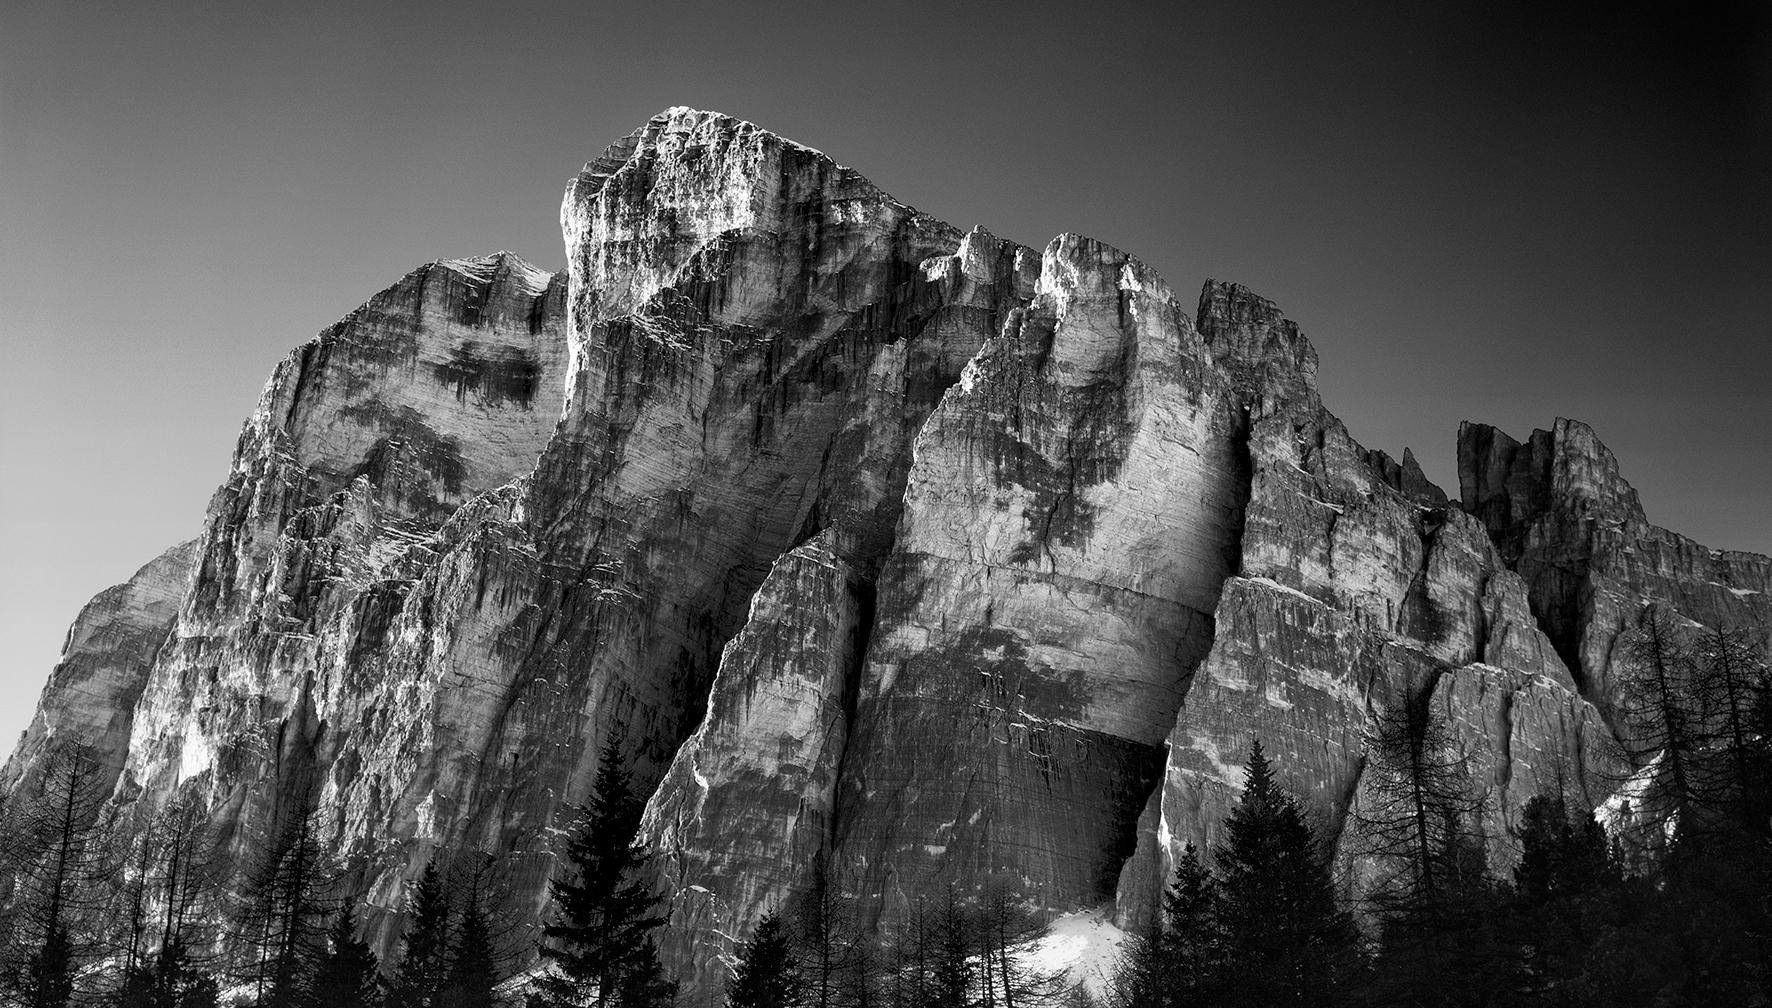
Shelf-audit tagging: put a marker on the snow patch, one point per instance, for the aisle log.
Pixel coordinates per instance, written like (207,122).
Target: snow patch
(1611,811)
(1083,947)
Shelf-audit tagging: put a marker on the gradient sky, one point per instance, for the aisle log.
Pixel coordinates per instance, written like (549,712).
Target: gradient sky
(1502,212)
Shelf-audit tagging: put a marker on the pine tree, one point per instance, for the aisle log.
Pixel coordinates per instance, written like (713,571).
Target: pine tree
(604,906)
(833,965)
(473,973)
(642,983)
(1191,945)
(170,872)
(424,944)
(288,905)
(347,975)
(134,890)
(49,970)
(175,980)
(953,973)
(1566,892)
(766,976)
(1284,938)
(1443,948)
(1178,963)
(1559,856)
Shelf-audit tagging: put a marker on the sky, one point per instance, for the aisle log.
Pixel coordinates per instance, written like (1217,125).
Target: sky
(1503,212)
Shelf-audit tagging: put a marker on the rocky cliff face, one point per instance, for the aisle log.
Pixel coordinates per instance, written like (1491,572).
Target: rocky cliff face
(883,548)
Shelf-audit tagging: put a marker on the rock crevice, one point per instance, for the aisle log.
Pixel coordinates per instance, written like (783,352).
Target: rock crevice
(904,552)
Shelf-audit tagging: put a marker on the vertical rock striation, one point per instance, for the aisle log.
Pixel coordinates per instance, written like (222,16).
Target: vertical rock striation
(1069,517)
(105,662)
(910,554)
(1566,520)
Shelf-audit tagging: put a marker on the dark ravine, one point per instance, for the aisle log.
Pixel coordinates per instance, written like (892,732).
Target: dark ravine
(882,546)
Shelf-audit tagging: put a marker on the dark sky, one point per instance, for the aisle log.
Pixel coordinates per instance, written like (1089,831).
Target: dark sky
(1492,211)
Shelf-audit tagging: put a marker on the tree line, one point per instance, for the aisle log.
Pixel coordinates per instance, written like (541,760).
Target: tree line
(1671,905)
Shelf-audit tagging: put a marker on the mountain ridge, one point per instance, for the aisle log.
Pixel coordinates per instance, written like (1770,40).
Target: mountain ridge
(909,553)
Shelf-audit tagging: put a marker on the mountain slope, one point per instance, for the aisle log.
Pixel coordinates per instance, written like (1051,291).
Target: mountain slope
(884,549)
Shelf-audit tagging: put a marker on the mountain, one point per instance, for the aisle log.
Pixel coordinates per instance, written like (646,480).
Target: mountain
(882,549)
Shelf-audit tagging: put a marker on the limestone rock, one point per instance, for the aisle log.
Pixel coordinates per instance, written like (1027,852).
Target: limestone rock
(760,774)
(1574,529)
(904,551)
(1071,513)
(104,665)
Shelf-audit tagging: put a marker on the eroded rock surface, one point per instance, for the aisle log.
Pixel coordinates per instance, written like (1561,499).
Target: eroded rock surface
(908,552)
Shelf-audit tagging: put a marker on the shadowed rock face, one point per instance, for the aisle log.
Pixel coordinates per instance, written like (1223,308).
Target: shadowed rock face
(1566,520)
(908,552)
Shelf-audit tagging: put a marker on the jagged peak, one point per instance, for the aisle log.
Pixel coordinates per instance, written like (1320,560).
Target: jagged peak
(1508,482)
(489,269)
(1247,333)
(676,123)
(1074,263)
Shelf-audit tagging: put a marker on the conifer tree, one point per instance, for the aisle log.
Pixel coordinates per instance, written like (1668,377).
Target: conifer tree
(952,972)
(473,973)
(1416,798)
(48,980)
(1559,856)
(642,983)
(1734,689)
(289,903)
(1178,963)
(598,942)
(831,957)
(766,976)
(347,975)
(1566,894)
(176,980)
(1284,939)
(424,944)
(1004,921)
(1443,948)
(1662,723)
(910,960)
(133,892)
(172,872)
(56,887)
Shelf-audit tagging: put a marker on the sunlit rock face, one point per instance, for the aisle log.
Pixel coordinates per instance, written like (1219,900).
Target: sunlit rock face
(365,442)
(760,773)
(880,546)
(1071,513)
(106,659)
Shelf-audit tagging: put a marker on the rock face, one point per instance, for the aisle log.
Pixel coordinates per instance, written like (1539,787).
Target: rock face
(884,549)
(106,660)
(1573,528)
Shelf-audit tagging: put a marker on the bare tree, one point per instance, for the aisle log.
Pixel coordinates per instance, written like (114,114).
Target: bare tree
(1663,726)
(1005,922)
(1416,803)
(1732,691)
(832,962)
(288,903)
(57,892)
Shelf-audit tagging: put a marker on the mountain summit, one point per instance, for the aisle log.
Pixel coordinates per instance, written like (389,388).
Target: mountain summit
(888,555)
